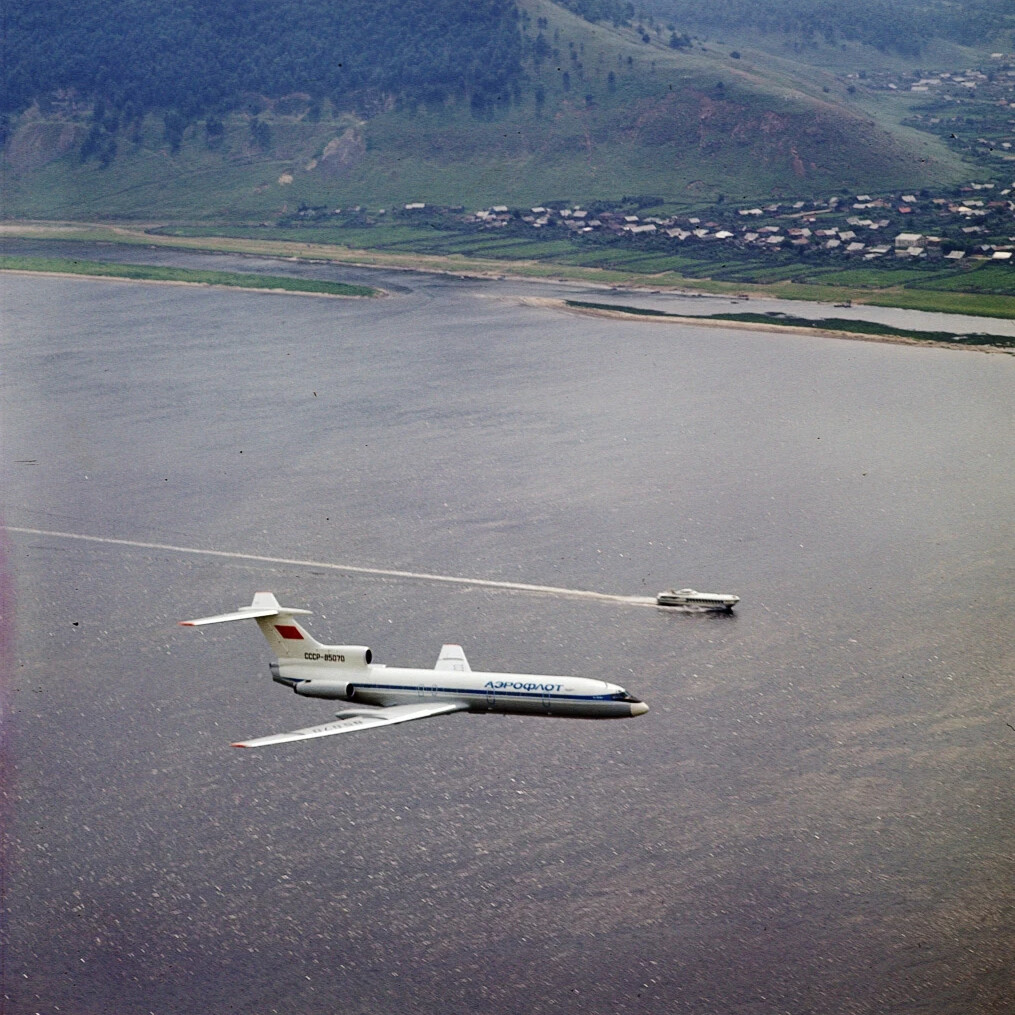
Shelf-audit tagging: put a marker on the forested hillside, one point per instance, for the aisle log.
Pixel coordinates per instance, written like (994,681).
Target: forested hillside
(199,56)
(902,26)
(245,110)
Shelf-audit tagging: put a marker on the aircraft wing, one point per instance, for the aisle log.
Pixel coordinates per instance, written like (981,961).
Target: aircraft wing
(360,720)
(452,657)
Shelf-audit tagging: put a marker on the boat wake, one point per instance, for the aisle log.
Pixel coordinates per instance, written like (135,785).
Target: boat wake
(544,590)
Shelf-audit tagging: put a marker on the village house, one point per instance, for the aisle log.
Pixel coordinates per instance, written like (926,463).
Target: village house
(843,237)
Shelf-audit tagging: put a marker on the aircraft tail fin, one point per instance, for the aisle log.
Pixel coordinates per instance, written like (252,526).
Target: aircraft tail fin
(278,624)
(452,657)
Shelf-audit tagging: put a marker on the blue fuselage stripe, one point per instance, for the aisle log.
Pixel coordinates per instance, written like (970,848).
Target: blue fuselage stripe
(483,692)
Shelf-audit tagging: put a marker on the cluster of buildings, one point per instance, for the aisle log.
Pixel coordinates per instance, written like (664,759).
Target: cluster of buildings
(865,226)
(957,84)
(972,110)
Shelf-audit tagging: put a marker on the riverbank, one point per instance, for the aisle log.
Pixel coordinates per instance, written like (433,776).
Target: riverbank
(456,265)
(797,328)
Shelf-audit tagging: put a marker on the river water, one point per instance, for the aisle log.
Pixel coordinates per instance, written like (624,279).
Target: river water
(815,815)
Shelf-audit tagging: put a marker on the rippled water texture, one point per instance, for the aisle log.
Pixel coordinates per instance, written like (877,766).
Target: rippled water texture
(815,815)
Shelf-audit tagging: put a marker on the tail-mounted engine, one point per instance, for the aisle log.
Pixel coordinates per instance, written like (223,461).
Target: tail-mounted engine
(340,655)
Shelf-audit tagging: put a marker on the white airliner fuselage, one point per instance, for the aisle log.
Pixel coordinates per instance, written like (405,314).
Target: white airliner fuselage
(382,695)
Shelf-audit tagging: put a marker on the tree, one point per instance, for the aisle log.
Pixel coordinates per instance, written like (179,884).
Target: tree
(173,126)
(260,133)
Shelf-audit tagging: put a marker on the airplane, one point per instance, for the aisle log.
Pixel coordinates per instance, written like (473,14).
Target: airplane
(385,695)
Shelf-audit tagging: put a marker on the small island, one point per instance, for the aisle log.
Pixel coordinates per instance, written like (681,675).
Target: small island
(834,327)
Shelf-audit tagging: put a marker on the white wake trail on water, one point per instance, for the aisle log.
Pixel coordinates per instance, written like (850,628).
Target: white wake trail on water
(545,590)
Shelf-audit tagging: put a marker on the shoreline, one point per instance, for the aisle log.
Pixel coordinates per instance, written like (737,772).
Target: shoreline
(551,303)
(173,281)
(467,270)
(791,329)
(964,304)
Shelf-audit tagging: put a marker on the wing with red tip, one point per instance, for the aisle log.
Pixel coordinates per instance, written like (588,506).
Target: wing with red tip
(351,721)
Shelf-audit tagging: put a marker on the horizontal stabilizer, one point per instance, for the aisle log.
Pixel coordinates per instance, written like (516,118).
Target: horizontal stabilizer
(264,605)
(352,721)
(221,618)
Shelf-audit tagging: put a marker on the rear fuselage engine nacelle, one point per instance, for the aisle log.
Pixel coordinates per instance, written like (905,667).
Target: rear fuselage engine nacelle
(340,690)
(339,655)
(324,671)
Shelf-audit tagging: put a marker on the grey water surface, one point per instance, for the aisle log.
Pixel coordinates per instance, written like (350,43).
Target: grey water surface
(815,815)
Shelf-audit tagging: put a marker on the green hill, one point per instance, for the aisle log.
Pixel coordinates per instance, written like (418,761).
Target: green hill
(905,27)
(558,108)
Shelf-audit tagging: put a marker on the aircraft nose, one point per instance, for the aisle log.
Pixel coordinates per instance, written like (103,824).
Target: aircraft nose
(639,708)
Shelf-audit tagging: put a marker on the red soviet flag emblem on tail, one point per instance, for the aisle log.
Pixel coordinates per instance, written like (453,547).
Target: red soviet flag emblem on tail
(290,631)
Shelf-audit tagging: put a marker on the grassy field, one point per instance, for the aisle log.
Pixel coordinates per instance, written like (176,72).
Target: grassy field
(988,279)
(154,273)
(974,278)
